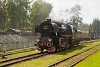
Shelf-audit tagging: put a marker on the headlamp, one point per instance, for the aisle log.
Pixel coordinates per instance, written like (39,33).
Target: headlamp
(38,40)
(49,39)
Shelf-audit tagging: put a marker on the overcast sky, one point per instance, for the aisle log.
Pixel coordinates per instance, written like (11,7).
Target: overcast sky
(90,8)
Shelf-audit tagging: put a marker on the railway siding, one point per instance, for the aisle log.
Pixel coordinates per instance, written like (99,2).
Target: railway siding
(20,59)
(73,60)
(18,51)
(91,61)
(17,55)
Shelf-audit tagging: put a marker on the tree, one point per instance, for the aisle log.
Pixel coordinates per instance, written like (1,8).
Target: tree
(95,27)
(39,11)
(11,14)
(17,12)
(22,9)
(22,13)
(90,28)
(2,16)
(76,19)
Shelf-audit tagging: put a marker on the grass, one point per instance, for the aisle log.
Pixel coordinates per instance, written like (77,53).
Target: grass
(91,61)
(50,59)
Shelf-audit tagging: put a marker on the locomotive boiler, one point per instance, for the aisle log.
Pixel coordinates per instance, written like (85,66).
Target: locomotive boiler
(55,36)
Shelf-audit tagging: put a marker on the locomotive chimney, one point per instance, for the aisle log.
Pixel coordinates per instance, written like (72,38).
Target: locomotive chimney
(48,20)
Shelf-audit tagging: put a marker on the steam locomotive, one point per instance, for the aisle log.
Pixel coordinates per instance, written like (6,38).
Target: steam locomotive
(56,35)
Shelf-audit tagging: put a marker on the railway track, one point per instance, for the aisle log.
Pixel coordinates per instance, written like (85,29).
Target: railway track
(20,59)
(75,59)
(16,52)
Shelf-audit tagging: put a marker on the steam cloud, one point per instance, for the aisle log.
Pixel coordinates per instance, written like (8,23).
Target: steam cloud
(60,16)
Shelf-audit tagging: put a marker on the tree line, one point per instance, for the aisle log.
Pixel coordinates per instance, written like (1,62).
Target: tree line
(25,14)
(95,27)
(22,14)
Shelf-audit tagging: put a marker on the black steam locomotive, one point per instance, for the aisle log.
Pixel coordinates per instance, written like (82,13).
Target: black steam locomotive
(56,35)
